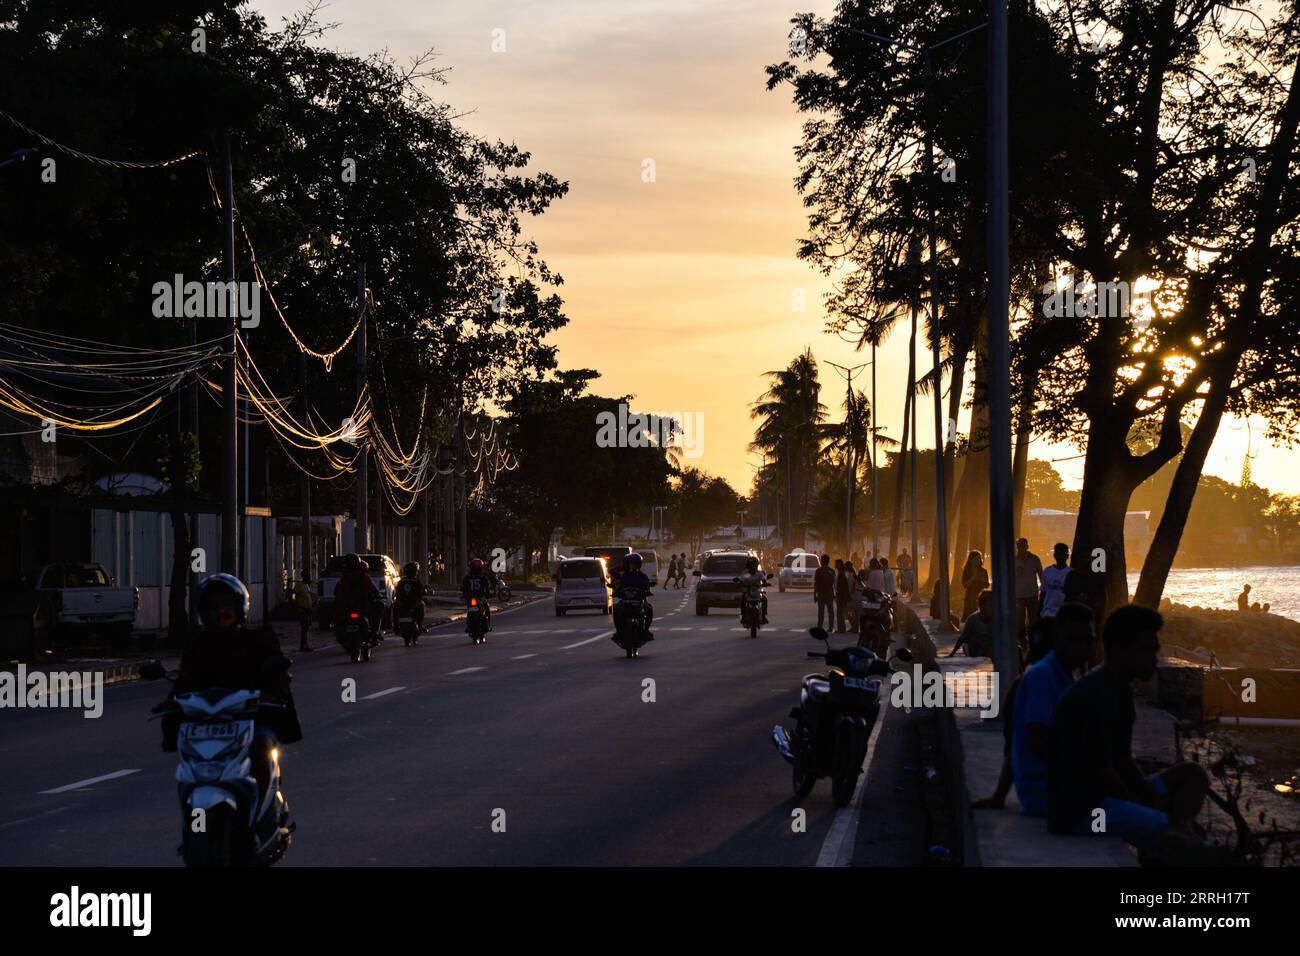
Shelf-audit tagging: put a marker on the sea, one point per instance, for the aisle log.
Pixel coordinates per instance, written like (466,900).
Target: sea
(1219,587)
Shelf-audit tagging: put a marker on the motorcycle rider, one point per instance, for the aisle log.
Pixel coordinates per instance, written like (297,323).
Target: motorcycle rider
(227,654)
(410,593)
(356,592)
(633,578)
(754,578)
(480,585)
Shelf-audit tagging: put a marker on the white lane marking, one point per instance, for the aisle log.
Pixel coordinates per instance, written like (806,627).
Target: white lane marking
(569,647)
(679,628)
(523,657)
(708,629)
(538,631)
(464,670)
(383,693)
(564,630)
(90,782)
(837,850)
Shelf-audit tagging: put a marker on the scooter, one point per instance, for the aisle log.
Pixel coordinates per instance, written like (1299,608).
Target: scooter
(476,622)
(834,719)
(353,635)
(751,608)
(875,621)
(407,626)
(228,819)
(631,630)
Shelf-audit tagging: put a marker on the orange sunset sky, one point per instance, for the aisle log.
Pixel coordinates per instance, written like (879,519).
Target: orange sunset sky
(681,291)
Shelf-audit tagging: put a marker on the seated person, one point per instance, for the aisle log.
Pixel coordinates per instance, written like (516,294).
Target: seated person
(1093,783)
(1041,687)
(977,633)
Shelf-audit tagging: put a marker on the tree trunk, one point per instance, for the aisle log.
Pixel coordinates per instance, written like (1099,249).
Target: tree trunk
(1020,460)
(900,463)
(956,387)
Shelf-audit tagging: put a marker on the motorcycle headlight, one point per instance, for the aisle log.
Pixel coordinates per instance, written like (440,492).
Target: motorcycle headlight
(208,771)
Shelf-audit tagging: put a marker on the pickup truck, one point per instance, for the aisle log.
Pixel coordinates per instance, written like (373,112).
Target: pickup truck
(383,571)
(81,596)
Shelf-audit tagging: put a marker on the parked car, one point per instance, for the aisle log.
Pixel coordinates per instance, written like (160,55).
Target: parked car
(650,565)
(582,584)
(73,596)
(383,571)
(797,570)
(717,587)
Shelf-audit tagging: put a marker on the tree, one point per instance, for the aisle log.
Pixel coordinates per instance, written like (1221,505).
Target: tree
(789,415)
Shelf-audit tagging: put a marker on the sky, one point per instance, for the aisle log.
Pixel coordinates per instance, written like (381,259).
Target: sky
(684,290)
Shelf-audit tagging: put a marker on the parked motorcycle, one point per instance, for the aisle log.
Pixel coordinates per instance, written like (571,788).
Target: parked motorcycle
(834,719)
(751,608)
(476,621)
(875,621)
(631,622)
(228,818)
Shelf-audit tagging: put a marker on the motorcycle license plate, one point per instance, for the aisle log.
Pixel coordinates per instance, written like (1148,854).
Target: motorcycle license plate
(870,606)
(225,731)
(858,683)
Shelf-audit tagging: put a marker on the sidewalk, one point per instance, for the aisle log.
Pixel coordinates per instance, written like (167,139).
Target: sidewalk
(973,748)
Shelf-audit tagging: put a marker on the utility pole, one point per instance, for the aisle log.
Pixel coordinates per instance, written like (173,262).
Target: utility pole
(380,543)
(851,471)
(304,481)
(915,254)
(462,480)
(422,537)
(940,433)
(1001,531)
(229,414)
(875,515)
(192,578)
(362,542)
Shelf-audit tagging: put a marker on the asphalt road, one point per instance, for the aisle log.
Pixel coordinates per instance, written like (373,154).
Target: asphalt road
(546,727)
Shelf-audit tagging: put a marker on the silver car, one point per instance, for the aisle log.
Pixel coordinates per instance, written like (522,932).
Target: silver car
(797,570)
(582,584)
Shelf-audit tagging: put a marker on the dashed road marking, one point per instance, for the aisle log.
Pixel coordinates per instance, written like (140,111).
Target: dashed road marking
(383,693)
(90,781)
(464,670)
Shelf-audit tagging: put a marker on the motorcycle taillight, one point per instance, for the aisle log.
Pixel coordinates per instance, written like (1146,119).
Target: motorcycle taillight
(354,615)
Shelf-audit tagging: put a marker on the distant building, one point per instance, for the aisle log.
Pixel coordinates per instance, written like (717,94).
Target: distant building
(1044,527)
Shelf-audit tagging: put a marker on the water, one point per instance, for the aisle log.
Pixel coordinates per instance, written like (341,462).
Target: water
(1219,587)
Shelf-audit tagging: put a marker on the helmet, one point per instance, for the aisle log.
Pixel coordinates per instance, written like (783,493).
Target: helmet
(634,561)
(411,569)
(751,564)
(351,562)
(222,590)
(476,565)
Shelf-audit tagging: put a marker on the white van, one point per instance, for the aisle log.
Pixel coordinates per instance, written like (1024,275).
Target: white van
(650,565)
(582,584)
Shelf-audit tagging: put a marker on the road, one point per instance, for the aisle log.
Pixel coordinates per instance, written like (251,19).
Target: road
(545,728)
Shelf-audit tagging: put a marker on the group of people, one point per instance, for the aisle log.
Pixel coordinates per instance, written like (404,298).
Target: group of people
(678,569)
(1068,739)
(1244,605)
(836,589)
(1041,592)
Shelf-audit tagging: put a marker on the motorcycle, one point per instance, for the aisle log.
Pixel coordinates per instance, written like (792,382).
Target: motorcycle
(228,818)
(476,621)
(875,621)
(751,608)
(407,626)
(631,628)
(353,635)
(834,719)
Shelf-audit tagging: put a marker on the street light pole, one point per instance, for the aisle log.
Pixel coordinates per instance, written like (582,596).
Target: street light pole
(1001,531)
(229,415)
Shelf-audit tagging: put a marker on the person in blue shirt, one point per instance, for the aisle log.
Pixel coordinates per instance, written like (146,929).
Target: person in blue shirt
(1040,688)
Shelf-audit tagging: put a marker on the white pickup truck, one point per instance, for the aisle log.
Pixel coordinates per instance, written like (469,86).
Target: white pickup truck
(76,595)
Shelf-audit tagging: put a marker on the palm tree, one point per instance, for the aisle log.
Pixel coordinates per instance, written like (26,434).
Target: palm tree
(790,415)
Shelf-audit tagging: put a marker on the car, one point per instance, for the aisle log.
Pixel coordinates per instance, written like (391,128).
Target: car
(78,596)
(612,553)
(383,571)
(582,584)
(650,565)
(717,574)
(797,570)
